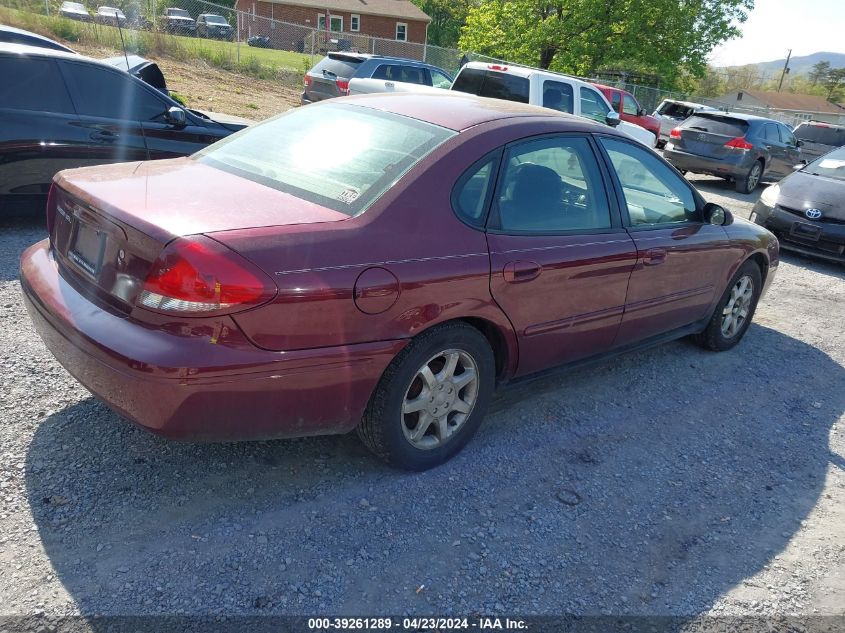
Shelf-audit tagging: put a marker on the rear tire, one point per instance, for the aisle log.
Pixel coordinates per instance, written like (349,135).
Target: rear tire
(749,183)
(733,313)
(431,399)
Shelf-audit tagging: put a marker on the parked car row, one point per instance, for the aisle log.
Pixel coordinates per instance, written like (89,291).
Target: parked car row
(174,20)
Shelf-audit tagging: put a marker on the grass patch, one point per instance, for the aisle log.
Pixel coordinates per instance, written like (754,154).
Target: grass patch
(263,63)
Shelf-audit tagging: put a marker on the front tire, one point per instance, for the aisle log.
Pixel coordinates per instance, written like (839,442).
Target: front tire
(733,314)
(431,399)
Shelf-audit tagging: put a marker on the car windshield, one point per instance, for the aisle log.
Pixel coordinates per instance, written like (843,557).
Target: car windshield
(337,155)
(215,19)
(824,134)
(831,165)
(178,13)
(76,6)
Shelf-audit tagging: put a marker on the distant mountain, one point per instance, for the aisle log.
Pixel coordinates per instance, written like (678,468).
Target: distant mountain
(801,65)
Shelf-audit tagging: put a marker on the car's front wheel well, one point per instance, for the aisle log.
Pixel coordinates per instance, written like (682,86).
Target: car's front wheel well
(762,264)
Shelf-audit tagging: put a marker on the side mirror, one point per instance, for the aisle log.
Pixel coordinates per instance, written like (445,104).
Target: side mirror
(612,119)
(641,112)
(799,166)
(717,215)
(799,143)
(176,116)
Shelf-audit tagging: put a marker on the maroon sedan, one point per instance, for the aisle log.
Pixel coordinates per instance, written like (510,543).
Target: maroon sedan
(379,263)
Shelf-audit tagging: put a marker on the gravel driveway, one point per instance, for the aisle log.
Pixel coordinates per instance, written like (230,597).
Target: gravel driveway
(671,481)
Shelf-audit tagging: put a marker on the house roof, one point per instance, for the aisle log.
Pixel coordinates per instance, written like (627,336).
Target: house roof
(797,102)
(389,8)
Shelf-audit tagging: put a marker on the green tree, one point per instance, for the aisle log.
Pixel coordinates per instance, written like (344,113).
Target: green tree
(834,83)
(447,18)
(819,72)
(665,37)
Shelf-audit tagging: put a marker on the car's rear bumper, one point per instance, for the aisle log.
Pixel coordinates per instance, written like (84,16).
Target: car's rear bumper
(794,232)
(684,161)
(183,382)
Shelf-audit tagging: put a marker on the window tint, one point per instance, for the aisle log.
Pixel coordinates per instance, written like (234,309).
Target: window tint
(654,194)
(825,134)
(397,72)
(288,153)
(492,84)
(592,105)
(112,94)
(551,185)
(770,132)
(340,67)
(629,106)
(472,192)
(558,96)
(33,84)
(440,80)
(715,124)
(615,100)
(787,136)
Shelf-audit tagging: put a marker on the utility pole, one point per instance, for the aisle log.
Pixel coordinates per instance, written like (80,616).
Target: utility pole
(785,69)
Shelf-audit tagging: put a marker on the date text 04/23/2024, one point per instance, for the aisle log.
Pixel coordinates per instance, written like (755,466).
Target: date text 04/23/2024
(416,624)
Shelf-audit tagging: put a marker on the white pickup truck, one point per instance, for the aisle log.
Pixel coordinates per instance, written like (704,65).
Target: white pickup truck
(546,89)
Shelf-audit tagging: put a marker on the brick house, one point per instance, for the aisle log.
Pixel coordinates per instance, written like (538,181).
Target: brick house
(785,106)
(288,22)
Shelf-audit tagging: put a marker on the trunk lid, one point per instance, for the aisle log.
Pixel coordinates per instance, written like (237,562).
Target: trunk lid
(706,135)
(109,224)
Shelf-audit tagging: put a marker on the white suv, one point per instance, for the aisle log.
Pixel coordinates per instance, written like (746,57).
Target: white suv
(546,89)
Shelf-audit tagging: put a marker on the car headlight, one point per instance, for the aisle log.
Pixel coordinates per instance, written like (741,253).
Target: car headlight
(769,197)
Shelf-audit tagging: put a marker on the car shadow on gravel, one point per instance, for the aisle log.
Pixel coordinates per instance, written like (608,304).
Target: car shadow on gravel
(650,484)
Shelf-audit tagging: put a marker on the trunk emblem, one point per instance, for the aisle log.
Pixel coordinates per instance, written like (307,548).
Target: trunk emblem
(813,214)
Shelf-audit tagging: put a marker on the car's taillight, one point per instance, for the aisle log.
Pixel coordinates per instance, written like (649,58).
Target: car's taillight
(342,86)
(739,143)
(52,202)
(307,79)
(197,275)
(675,133)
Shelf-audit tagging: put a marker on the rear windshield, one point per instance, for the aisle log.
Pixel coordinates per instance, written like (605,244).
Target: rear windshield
(488,83)
(724,125)
(831,165)
(181,13)
(337,155)
(344,67)
(674,110)
(215,19)
(827,135)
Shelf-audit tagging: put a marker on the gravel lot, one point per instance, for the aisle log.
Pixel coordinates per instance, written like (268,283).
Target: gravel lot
(672,481)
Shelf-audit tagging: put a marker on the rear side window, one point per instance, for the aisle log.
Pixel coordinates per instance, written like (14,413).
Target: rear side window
(724,125)
(33,84)
(557,96)
(288,153)
(492,84)
(827,135)
(339,67)
(770,132)
(397,72)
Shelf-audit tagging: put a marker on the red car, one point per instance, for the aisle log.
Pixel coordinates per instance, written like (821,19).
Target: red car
(280,284)
(629,109)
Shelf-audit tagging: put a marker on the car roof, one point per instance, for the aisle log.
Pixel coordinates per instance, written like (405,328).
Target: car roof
(34,36)
(750,118)
(521,71)
(459,111)
(348,55)
(605,87)
(25,49)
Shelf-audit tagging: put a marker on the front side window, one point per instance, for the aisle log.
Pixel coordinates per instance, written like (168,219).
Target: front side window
(654,194)
(558,96)
(592,105)
(440,80)
(33,84)
(109,94)
(630,105)
(787,136)
(288,153)
(401,31)
(551,185)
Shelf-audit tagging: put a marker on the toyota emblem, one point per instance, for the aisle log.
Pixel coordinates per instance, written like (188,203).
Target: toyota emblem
(813,214)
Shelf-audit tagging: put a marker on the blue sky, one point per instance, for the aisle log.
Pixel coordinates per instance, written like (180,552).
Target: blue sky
(805,26)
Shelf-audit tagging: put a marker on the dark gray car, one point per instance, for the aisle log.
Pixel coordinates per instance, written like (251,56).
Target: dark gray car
(330,77)
(806,210)
(739,147)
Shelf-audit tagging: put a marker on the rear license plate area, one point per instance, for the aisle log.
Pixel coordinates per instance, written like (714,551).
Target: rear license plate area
(86,248)
(804,231)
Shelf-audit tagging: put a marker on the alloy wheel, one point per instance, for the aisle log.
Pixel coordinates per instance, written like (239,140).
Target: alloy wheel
(754,177)
(440,399)
(738,306)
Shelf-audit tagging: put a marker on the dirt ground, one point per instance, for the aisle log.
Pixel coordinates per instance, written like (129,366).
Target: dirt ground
(205,87)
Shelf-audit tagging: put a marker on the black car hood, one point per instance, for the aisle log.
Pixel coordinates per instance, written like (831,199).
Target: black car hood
(801,190)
